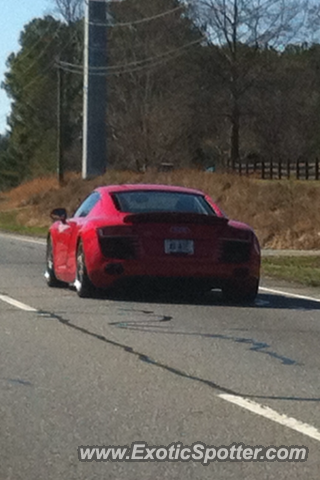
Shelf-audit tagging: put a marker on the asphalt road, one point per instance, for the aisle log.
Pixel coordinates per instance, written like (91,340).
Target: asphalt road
(160,368)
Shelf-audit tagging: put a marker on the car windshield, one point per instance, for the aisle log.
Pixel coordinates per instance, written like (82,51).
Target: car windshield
(160,201)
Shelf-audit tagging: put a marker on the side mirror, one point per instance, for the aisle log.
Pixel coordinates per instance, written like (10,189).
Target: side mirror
(59,214)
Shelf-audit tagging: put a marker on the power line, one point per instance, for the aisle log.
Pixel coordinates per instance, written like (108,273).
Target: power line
(73,67)
(129,70)
(116,68)
(132,70)
(130,67)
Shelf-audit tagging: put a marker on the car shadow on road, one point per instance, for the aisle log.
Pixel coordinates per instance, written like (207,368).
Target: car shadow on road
(213,298)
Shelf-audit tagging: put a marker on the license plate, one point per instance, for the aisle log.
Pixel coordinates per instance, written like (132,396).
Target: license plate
(179,246)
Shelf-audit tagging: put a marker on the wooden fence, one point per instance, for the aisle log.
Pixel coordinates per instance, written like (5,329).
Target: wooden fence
(300,170)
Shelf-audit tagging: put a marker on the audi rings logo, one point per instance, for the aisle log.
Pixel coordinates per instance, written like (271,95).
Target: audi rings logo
(178,229)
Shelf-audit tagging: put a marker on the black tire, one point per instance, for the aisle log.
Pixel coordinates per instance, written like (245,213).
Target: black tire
(245,293)
(83,285)
(50,275)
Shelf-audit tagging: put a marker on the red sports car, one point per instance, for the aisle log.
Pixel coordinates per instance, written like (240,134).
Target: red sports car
(152,232)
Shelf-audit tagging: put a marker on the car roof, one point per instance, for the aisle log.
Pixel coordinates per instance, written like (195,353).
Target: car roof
(146,187)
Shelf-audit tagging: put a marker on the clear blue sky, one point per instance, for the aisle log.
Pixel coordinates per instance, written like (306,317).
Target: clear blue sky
(14,15)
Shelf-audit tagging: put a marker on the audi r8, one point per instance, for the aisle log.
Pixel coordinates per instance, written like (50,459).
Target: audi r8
(124,233)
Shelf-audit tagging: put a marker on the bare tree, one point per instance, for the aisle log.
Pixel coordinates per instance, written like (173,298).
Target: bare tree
(70,10)
(242,27)
(151,100)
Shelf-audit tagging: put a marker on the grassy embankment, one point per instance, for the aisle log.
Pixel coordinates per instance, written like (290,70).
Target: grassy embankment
(303,270)
(284,214)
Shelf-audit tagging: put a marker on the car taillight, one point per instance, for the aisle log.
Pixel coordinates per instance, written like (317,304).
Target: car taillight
(117,242)
(236,245)
(238,234)
(235,251)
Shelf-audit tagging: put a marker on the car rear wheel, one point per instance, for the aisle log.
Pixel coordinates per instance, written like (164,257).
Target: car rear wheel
(244,293)
(83,285)
(50,275)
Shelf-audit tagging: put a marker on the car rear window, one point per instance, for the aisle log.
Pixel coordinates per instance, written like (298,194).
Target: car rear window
(158,201)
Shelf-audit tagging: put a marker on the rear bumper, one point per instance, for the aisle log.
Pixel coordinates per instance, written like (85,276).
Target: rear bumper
(105,273)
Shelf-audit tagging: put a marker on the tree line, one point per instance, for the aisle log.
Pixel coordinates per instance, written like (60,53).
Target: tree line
(191,84)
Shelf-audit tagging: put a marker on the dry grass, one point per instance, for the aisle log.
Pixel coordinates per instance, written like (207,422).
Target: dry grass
(283,213)
(22,195)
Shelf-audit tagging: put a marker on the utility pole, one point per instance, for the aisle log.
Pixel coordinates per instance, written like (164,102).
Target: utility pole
(60,113)
(94,158)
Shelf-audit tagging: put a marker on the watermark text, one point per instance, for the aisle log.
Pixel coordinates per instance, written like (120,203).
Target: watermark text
(197,452)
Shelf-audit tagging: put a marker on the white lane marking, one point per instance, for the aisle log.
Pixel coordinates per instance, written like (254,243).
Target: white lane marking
(23,239)
(289,294)
(17,304)
(271,414)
